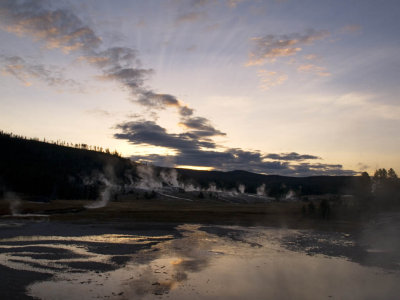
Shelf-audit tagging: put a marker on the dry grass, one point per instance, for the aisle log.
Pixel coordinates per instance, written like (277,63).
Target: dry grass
(276,214)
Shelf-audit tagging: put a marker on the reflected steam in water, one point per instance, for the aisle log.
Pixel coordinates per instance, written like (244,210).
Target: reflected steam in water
(196,262)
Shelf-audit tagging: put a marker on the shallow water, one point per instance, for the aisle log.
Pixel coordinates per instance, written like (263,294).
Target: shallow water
(197,262)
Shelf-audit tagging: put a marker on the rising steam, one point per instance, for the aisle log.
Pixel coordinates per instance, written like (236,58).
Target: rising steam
(261,190)
(14,203)
(109,187)
(163,182)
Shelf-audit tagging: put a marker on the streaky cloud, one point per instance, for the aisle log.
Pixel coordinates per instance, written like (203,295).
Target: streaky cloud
(271,47)
(269,79)
(190,17)
(27,72)
(291,156)
(314,69)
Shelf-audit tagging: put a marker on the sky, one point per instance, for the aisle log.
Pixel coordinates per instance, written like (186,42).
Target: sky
(284,87)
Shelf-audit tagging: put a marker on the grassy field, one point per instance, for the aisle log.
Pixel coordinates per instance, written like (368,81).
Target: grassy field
(276,214)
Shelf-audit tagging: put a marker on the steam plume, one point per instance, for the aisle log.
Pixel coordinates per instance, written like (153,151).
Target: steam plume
(109,189)
(14,203)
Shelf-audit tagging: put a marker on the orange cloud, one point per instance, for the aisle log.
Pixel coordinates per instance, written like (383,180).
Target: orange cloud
(311,68)
(269,79)
(271,47)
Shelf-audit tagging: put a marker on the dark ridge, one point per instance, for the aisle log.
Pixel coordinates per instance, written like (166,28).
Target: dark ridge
(46,171)
(274,184)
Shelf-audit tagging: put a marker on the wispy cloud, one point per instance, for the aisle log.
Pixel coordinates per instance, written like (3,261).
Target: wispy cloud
(271,47)
(190,17)
(269,79)
(98,112)
(311,57)
(367,105)
(351,28)
(202,2)
(233,3)
(191,48)
(120,64)
(58,28)
(291,156)
(28,73)
(212,27)
(314,69)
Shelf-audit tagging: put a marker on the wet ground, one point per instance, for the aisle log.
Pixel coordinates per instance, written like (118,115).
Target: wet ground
(54,260)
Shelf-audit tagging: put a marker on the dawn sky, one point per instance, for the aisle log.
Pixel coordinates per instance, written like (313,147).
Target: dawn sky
(278,87)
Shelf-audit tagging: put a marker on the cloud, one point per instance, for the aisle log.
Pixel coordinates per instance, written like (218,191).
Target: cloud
(154,100)
(27,73)
(190,17)
(148,132)
(291,156)
(314,69)
(196,150)
(141,24)
(212,27)
(58,28)
(63,29)
(230,160)
(202,2)
(351,28)
(120,64)
(310,57)
(191,48)
(185,111)
(307,169)
(98,112)
(269,79)
(202,126)
(271,47)
(367,105)
(233,3)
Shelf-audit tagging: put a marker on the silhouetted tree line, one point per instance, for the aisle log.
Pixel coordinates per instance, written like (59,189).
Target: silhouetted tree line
(385,187)
(63,143)
(368,195)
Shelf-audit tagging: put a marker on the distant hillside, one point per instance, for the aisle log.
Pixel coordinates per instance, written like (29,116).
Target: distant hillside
(275,185)
(52,171)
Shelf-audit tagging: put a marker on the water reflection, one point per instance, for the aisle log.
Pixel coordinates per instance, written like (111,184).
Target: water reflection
(200,262)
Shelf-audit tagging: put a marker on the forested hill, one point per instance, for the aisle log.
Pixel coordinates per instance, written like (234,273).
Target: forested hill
(53,170)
